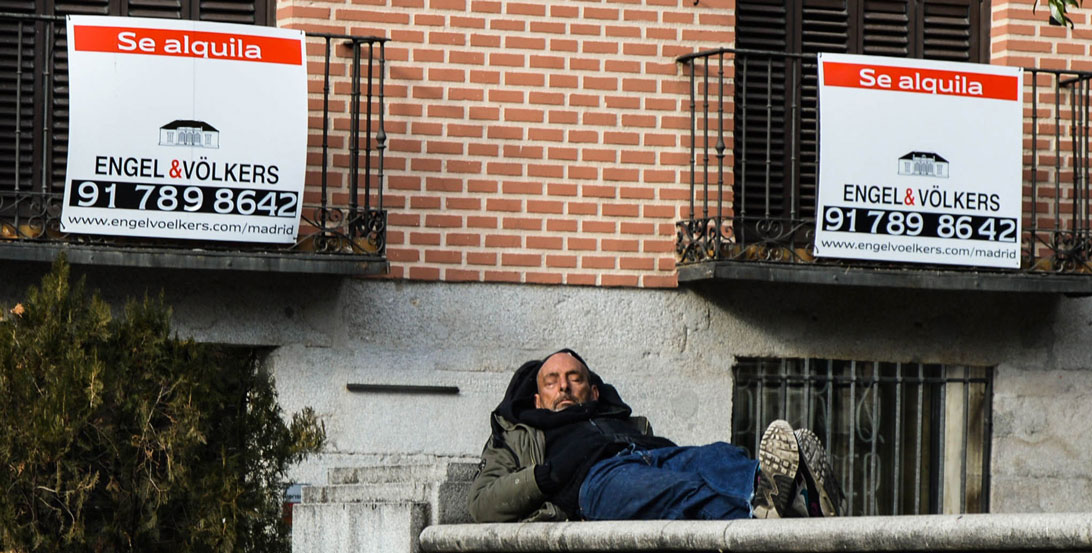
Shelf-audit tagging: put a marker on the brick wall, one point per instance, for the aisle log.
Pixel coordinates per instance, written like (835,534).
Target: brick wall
(1022,36)
(537,141)
(546,141)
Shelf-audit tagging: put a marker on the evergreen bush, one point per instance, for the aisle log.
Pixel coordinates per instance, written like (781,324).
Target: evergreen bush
(117,436)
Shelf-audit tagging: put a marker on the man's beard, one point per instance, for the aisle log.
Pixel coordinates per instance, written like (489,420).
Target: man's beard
(566,397)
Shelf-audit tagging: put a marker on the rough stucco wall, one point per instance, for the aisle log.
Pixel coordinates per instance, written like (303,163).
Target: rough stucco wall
(1041,411)
(669,352)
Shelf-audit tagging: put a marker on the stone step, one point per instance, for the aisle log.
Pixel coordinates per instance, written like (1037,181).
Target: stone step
(425,472)
(442,488)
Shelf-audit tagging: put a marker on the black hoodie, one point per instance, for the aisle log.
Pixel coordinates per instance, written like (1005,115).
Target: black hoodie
(576,437)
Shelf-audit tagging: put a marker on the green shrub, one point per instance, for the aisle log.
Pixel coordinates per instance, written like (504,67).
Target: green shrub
(117,436)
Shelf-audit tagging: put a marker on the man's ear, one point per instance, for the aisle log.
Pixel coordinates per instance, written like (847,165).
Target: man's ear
(538,402)
(594,392)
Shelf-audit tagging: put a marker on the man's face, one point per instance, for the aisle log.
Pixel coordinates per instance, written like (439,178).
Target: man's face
(563,382)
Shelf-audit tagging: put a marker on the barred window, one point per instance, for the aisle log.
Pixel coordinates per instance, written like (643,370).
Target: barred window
(905,438)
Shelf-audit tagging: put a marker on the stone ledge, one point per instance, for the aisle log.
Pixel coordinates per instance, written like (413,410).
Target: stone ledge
(1000,532)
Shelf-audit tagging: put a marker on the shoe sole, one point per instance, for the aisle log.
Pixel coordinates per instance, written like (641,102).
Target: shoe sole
(779,460)
(819,474)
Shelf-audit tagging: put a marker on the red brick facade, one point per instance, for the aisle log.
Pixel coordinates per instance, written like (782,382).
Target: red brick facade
(547,141)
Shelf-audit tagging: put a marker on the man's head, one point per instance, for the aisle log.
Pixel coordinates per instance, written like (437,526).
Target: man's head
(563,381)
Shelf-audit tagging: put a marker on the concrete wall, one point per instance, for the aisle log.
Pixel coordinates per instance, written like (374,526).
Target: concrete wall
(669,352)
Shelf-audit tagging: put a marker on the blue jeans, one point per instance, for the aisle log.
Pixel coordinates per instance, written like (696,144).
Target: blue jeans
(710,482)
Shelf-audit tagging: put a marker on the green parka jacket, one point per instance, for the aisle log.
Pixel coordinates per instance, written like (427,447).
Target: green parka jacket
(505,489)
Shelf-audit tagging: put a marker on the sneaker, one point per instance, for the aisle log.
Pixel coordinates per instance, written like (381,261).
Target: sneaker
(778,462)
(825,490)
(799,506)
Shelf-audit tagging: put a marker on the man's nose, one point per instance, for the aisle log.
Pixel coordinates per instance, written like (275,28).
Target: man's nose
(564,385)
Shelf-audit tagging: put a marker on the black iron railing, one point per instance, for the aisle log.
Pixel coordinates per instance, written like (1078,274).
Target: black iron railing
(343,216)
(754,151)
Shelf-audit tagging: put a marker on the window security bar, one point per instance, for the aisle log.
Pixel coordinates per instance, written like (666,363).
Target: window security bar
(905,438)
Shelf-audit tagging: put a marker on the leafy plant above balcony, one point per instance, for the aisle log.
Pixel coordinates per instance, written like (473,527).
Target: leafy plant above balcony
(1059,11)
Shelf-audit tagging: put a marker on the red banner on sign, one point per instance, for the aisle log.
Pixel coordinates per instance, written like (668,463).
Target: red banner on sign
(922,81)
(191,44)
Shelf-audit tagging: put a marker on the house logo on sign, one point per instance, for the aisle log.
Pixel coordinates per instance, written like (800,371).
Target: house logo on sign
(923,164)
(181,132)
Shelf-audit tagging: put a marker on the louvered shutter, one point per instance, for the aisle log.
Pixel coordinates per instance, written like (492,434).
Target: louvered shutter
(44,56)
(17,96)
(773,179)
(954,30)
(760,108)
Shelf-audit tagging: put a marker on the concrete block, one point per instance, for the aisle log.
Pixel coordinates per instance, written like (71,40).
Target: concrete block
(441,486)
(418,472)
(358,527)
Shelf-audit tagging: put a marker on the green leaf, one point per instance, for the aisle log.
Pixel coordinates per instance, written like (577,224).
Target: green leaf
(1057,13)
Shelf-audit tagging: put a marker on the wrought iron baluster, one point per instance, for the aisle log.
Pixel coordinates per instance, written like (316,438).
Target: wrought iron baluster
(769,130)
(324,201)
(705,148)
(1034,165)
(367,139)
(1074,131)
(47,106)
(721,146)
(354,135)
(794,141)
(693,137)
(741,231)
(18,104)
(381,133)
(1057,161)
(1084,166)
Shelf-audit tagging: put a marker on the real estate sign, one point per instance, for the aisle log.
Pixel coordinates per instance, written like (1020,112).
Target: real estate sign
(920,161)
(185,129)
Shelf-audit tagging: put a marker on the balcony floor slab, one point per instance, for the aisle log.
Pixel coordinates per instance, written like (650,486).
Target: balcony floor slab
(162,258)
(909,277)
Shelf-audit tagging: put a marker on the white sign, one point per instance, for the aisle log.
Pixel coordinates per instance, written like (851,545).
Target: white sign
(919,161)
(185,129)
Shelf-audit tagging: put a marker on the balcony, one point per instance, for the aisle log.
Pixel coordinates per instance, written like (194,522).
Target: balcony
(343,223)
(754,151)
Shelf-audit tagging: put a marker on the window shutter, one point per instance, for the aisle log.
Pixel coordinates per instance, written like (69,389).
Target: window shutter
(30,105)
(825,26)
(769,172)
(952,30)
(251,12)
(760,187)
(886,29)
(17,96)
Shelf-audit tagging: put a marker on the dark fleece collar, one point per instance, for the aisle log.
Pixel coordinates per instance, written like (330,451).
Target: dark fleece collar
(520,396)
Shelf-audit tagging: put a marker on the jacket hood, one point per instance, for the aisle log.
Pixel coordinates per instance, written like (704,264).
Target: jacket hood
(520,395)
